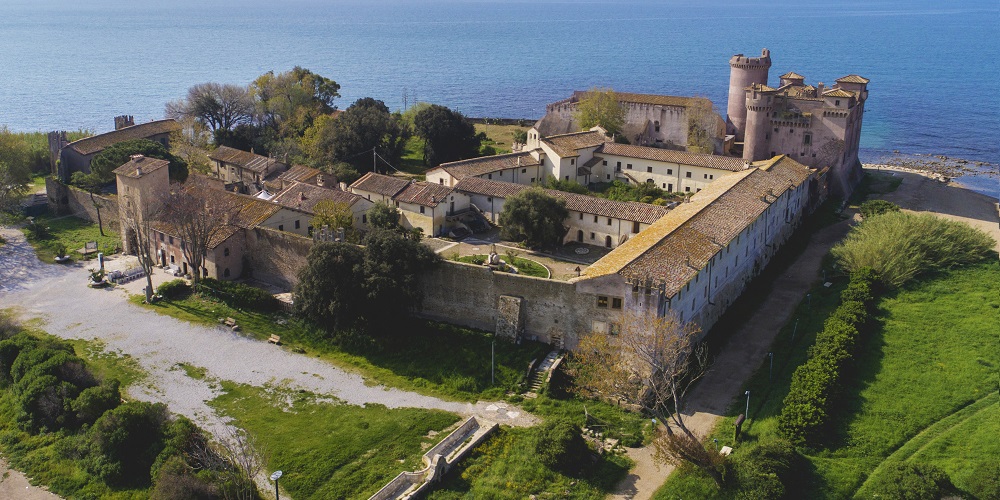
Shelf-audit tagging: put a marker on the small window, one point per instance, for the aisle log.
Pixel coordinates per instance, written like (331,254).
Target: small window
(687,189)
(772,153)
(489,176)
(664,185)
(567,177)
(635,227)
(687,174)
(650,181)
(791,131)
(807,138)
(421,209)
(814,155)
(776,128)
(595,218)
(592,236)
(489,199)
(670,188)
(364,218)
(605,163)
(649,170)
(619,166)
(441,181)
(656,125)
(171,240)
(711,176)
(616,303)
(706,175)
(171,258)
(837,102)
(628,166)
(161,236)
(281,227)
(225,273)
(532,180)
(609,221)
(602,301)
(225,252)
(609,176)
(581,215)
(572,161)
(670,171)
(297,225)
(524,170)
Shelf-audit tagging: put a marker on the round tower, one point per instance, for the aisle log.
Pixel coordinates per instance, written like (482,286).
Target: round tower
(744,72)
(758,103)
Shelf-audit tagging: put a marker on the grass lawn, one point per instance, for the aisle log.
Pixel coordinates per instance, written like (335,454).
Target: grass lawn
(410,360)
(499,137)
(73,232)
(524,266)
(412,161)
(924,388)
(874,183)
(328,449)
(507,467)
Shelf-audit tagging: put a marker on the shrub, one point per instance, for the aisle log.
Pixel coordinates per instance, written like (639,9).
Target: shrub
(911,482)
(95,401)
(985,480)
(173,289)
(872,208)
(239,295)
(899,246)
(125,442)
(812,392)
(176,481)
(560,445)
(768,469)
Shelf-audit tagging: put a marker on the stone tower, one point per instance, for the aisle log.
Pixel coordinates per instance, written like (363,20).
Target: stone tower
(758,103)
(744,72)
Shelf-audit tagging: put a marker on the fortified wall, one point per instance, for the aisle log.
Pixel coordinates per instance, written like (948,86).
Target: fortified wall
(70,200)
(275,256)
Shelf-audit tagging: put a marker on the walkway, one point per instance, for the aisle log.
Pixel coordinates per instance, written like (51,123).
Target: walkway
(69,309)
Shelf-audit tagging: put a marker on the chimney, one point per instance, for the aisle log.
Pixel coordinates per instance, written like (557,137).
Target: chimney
(319,180)
(819,89)
(138,170)
(302,196)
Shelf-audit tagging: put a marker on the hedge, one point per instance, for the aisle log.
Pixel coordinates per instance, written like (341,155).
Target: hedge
(239,295)
(810,398)
(172,289)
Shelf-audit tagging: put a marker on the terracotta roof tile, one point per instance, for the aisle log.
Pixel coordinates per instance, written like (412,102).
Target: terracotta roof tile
(147,165)
(243,159)
(566,145)
(304,197)
(487,164)
(838,93)
(300,173)
(852,79)
(656,100)
(791,75)
(384,185)
(670,252)
(719,162)
(423,193)
(760,87)
(97,143)
(625,210)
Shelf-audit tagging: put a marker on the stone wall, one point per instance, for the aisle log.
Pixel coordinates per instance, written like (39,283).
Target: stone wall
(553,311)
(275,256)
(70,200)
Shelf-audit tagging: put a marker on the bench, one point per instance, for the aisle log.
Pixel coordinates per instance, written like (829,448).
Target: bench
(231,323)
(274,339)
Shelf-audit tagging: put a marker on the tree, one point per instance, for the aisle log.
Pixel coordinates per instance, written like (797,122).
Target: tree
(92,185)
(601,107)
(448,135)
(650,364)
(343,171)
(559,445)
(199,217)
(383,216)
(329,292)
(137,227)
(703,126)
(14,182)
(534,217)
(217,106)
(287,103)
(125,442)
(365,126)
(103,166)
(334,215)
(393,265)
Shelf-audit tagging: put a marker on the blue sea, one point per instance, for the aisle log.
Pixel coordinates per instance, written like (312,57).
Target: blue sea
(70,64)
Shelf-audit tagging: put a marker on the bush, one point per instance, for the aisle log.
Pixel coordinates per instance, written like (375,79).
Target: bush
(126,441)
(239,295)
(173,289)
(812,393)
(911,482)
(95,401)
(176,481)
(872,208)
(560,446)
(899,246)
(985,480)
(768,470)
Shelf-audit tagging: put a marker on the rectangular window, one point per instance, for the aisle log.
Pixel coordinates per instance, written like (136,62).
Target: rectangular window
(281,227)
(489,176)
(807,139)
(635,227)
(489,199)
(687,174)
(364,218)
(524,170)
(161,236)
(591,235)
(572,161)
(687,189)
(602,301)
(628,166)
(297,225)
(595,218)
(670,171)
(171,240)
(609,221)
(618,166)
(605,163)
(649,169)
(609,177)
(670,188)
(616,303)
(421,209)
(706,175)
(567,177)
(532,180)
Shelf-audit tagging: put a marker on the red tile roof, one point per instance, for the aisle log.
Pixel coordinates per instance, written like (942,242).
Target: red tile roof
(98,143)
(301,173)
(304,197)
(423,193)
(380,184)
(140,165)
(719,162)
(852,79)
(487,164)
(566,145)
(243,159)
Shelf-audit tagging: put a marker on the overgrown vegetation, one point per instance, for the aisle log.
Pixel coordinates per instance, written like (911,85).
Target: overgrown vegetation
(900,246)
(68,428)
(644,192)
(524,266)
(922,390)
(533,217)
(24,157)
(872,208)
(239,295)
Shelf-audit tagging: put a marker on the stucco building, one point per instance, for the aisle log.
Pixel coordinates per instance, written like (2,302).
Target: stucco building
(76,156)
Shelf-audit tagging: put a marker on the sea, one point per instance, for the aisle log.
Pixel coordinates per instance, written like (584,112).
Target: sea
(933,64)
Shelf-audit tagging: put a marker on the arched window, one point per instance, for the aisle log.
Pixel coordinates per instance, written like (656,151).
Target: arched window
(607,241)
(225,274)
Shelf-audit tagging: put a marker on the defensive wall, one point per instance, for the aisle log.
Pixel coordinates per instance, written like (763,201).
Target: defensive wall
(275,256)
(71,200)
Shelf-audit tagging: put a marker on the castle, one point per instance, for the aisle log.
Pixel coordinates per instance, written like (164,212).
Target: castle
(817,126)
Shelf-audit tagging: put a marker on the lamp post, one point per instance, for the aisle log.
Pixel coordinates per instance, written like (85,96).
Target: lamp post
(771,367)
(275,477)
(748,405)
(716,444)
(493,357)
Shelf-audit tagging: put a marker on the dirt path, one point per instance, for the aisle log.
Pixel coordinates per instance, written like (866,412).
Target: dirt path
(746,351)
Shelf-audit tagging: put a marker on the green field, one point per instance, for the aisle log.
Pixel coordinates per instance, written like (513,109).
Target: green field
(72,232)
(524,266)
(329,449)
(924,388)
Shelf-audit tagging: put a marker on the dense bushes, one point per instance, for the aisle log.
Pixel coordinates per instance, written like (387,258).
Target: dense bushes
(239,295)
(911,481)
(812,392)
(560,446)
(770,469)
(899,246)
(173,289)
(877,207)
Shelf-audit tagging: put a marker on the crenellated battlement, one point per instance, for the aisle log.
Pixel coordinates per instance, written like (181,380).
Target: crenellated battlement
(743,62)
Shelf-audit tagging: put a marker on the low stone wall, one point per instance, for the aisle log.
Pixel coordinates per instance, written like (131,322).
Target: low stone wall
(70,200)
(438,460)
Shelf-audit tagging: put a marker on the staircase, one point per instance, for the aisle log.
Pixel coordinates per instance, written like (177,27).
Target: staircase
(539,376)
